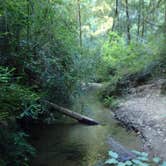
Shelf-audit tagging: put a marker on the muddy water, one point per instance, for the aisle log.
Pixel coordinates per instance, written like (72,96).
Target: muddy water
(74,144)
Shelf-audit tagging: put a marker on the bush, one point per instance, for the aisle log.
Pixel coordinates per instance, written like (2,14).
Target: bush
(15,99)
(110,101)
(14,149)
(125,59)
(125,66)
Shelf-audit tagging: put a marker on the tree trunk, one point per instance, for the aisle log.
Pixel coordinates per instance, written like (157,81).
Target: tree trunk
(143,19)
(128,23)
(164,31)
(28,24)
(4,40)
(139,20)
(165,19)
(116,16)
(81,118)
(80,23)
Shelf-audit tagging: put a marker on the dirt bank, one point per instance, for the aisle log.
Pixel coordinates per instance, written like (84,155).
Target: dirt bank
(145,110)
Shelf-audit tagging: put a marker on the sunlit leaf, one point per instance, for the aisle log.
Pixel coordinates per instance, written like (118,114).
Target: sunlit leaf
(144,154)
(136,152)
(128,163)
(156,160)
(111,161)
(113,154)
(139,163)
(140,153)
(143,158)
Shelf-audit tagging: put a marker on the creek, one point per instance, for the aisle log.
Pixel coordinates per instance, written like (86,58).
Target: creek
(75,144)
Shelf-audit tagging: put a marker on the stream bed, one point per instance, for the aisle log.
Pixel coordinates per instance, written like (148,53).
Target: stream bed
(75,144)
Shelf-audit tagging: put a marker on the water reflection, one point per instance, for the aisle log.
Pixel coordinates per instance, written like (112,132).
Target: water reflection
(79,145)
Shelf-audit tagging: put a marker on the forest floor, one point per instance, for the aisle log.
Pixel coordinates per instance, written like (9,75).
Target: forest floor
(144,109)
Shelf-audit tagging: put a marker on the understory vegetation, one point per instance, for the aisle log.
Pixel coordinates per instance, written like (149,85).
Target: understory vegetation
(125,66)
(49,48)
(39,60)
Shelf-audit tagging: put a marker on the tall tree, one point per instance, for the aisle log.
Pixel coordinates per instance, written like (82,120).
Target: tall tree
(116,15)
(80,22)
(128,22)
(143,18)
(28,23)
(139,18)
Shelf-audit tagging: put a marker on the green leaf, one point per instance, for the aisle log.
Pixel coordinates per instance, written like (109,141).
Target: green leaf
(156,160)
(139,163)
(128,163)
(143,158)
(136,152)
(113,154)
(121,164)
(144,154)
(140,153)
(111,161)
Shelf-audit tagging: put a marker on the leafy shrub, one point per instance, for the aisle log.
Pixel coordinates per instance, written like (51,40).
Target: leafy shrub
(14,149)
(125,59)
(125,66)
(110,101)
(16,99)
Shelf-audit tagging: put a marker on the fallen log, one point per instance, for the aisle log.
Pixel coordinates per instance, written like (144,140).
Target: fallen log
(81,118)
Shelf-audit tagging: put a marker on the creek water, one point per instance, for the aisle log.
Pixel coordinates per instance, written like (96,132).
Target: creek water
(74,144)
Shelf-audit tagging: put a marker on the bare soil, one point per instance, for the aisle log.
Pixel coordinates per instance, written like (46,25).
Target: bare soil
(144,109)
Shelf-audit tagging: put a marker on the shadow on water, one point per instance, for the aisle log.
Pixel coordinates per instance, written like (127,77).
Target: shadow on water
(75,144)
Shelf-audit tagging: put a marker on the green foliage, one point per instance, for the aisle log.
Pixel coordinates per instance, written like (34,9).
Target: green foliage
(124,66)
(142,159)
(110,101)
(119,59)
(5,75)
(14,149)
(16,99)
(43,45)
(4,115)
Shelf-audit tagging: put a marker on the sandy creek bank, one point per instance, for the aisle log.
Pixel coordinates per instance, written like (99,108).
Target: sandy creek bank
(144,109)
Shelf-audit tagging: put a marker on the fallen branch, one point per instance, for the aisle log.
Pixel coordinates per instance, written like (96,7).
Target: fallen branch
(81,118)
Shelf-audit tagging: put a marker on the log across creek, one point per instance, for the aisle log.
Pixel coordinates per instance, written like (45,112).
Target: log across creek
(124,153)
(81,118)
